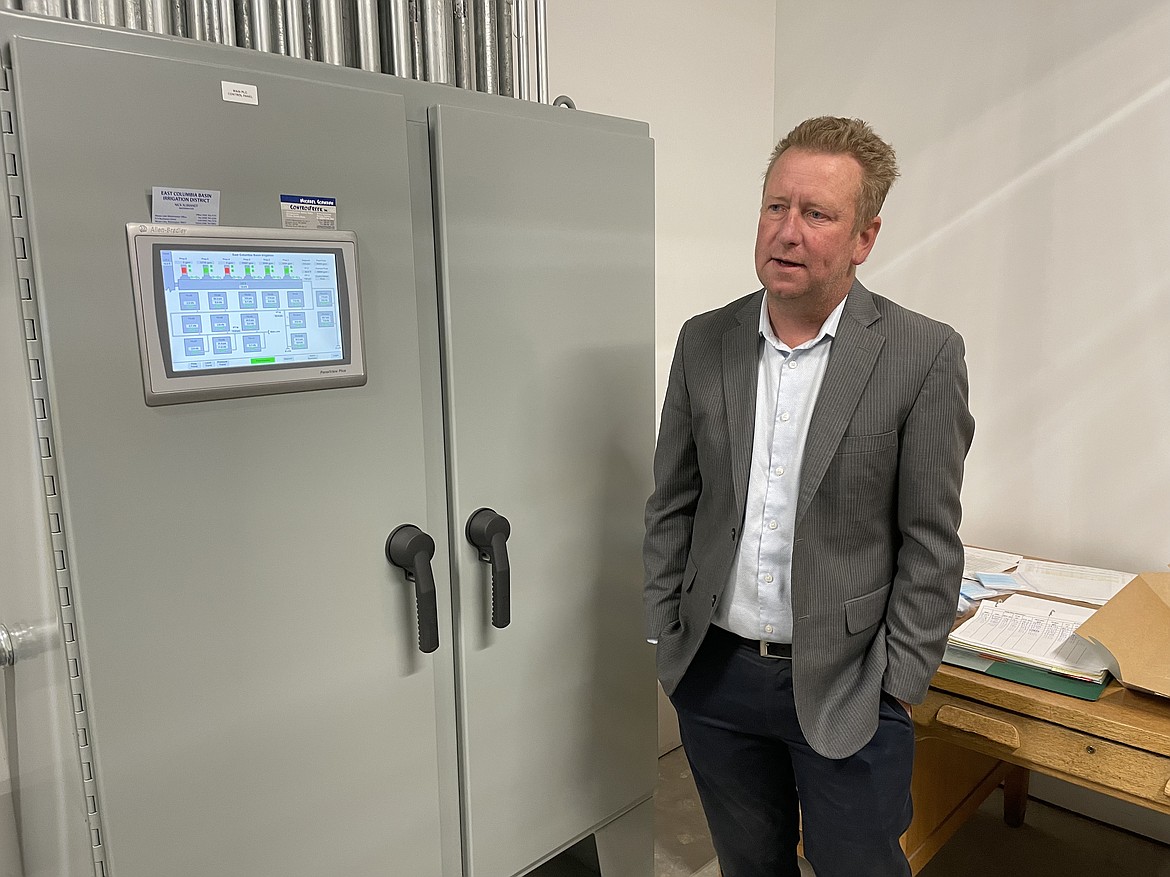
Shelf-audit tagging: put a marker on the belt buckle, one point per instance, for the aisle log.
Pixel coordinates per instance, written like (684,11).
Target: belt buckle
(764,650)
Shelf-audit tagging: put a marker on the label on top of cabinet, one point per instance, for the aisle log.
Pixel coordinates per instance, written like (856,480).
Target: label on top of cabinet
(240,93)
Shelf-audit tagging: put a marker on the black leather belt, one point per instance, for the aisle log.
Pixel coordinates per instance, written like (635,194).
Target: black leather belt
(766,648)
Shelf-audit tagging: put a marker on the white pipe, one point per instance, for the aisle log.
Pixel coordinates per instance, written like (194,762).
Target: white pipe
(400,54)
(505,12)
(369,51)
(438,18)
(294,18)
(329,32)
(261,25)
(156,16)
(542,51)
(523,83)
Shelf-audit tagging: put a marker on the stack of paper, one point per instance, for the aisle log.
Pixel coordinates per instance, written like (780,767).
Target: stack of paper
(1032,632)
(977,560)
(1084,583)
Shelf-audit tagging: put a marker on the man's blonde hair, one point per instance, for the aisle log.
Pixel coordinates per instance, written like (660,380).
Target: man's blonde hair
(834,135)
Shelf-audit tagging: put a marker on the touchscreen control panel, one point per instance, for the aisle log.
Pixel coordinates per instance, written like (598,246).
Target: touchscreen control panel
(230,312)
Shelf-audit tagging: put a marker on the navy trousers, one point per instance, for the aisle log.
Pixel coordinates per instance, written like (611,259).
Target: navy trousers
(757,776)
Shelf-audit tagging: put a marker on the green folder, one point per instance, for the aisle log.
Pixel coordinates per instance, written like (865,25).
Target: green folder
(1032,676)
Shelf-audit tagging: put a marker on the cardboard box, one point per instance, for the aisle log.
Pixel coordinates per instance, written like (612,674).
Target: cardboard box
(1134,627)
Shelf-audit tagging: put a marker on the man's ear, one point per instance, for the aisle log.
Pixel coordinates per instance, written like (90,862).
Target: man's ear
(865,240)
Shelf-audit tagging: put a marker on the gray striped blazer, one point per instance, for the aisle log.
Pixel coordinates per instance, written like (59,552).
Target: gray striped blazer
(876,560)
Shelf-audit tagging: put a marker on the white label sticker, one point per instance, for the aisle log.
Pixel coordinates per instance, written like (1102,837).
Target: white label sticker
(240,93)
(184,206)
(307,211)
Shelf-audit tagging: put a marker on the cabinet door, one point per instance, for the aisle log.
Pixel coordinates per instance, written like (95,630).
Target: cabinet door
(254,699)
(547,290)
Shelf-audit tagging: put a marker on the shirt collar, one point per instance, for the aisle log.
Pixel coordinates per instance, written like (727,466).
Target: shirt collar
(828,328)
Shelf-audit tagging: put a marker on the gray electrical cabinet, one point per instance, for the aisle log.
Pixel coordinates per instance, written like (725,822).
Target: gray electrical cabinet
(219,668)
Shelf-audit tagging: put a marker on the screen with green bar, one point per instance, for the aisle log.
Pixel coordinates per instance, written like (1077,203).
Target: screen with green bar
(229,307)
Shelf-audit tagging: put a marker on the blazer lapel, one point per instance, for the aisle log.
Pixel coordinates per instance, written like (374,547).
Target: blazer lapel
(741,354)
(854,353)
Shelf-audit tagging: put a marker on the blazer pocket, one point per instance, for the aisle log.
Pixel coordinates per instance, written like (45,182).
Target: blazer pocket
(865,444)
(867,610)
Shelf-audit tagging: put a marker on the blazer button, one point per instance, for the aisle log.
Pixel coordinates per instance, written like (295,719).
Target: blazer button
(733,534)
(714,599)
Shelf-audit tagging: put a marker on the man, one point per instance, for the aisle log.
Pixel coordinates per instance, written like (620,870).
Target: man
(802,554)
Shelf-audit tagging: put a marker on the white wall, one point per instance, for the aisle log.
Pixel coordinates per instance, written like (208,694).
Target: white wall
(1033,139)
(701,74)
(1032,215)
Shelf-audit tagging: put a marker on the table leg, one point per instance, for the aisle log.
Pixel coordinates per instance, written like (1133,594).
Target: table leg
(1015,795)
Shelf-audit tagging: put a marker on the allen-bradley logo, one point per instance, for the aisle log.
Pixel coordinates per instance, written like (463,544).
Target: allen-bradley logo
(162,229)
(333,371)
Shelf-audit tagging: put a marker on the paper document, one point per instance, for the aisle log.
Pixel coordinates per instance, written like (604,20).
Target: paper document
(985,560)
(1034,632)
(1029,605)
(1084,583)
(1001,581)
(973,591)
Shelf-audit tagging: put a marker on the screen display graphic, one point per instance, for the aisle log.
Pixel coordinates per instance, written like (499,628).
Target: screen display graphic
(250,309)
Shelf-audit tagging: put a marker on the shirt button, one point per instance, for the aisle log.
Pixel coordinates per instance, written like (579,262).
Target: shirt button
(785,416)
(792,363)
(767,628)
(768,577)
(771,525)
(779,470)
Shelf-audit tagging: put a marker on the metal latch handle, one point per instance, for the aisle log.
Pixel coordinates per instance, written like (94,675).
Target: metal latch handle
(410,549)
(488,531)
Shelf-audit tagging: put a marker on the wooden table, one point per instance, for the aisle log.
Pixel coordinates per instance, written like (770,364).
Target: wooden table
(975,732)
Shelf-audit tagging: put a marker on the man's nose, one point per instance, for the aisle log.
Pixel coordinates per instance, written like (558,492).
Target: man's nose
(788,228)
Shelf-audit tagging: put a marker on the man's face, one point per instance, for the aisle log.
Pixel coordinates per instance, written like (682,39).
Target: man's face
(806,246)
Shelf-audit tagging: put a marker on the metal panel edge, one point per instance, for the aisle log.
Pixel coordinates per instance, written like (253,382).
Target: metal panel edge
(438,308)
(55,799)
(446,659)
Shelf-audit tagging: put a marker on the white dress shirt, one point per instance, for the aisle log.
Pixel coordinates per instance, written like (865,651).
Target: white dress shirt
(757,602)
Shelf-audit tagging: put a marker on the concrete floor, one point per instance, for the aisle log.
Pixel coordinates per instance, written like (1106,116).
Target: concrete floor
(1051,843)
(682,843)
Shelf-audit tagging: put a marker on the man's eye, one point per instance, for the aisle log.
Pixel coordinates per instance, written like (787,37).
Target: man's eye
(816,214)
